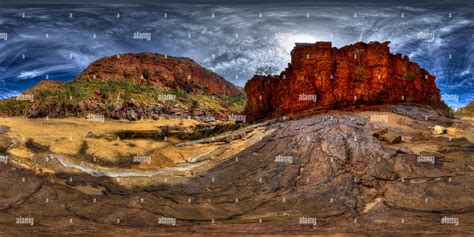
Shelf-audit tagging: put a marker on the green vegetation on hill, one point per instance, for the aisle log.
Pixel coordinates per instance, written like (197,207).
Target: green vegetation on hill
(12,107)
(468,110)
(115,92)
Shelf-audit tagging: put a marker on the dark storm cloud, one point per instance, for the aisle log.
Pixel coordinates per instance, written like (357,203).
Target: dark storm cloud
(231,38)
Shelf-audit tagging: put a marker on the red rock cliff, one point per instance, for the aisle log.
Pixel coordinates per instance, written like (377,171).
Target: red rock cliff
(323,77)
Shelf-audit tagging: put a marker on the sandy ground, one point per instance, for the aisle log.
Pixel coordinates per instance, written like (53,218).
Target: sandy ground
(66,135)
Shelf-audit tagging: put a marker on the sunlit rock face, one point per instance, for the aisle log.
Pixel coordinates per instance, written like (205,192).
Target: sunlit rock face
(323,77)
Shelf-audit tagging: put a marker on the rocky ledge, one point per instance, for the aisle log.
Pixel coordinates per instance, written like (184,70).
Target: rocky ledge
(322,77)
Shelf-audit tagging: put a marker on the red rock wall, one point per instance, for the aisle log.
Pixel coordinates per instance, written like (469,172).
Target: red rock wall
(358,74)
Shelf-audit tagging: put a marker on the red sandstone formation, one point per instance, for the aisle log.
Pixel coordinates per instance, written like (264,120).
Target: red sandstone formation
(177,73)
(200,92)
(324,77)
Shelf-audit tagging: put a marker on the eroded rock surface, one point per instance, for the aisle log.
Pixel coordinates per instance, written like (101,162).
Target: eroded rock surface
(330,167)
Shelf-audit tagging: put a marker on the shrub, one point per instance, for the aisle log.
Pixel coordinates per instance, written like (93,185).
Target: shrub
(13,107)
(146,74)
(401,121)
(127,97)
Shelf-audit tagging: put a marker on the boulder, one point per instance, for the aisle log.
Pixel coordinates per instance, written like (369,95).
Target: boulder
(91,135)
(406,150)
(407,139)
(438,130)
(391,137)
(5,142)
(379,132)
(132,115)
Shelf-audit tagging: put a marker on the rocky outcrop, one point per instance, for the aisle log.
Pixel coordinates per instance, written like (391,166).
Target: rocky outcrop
(177,73)
(133,86)
(467,111)
(322,77)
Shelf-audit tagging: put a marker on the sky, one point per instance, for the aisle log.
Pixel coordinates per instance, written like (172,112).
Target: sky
(42,40)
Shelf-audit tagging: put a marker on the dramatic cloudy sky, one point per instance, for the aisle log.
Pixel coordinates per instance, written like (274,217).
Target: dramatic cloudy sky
(56,40)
